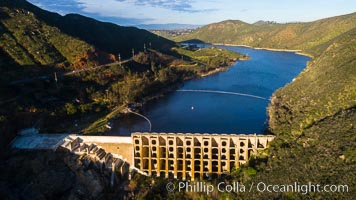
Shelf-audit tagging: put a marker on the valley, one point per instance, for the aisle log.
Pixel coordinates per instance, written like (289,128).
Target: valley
(74,74)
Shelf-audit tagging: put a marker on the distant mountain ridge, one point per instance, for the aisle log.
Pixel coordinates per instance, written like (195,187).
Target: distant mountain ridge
(170,26)
(261,22)
(309,37)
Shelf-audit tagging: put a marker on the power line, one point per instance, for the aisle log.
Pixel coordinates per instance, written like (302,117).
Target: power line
(224,92)
(149,122)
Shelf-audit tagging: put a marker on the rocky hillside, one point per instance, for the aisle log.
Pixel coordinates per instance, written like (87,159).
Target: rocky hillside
(310,37)
(72,31)
(30,36)
(314,120)
(326,87)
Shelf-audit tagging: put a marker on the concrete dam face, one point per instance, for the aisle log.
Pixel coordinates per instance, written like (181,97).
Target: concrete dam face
(171,155)
(193,156)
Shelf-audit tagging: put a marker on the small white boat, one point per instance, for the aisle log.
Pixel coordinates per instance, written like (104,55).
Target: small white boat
(108,126)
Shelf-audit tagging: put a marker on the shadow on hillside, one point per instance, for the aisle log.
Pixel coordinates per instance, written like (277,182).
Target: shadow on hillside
(47,174)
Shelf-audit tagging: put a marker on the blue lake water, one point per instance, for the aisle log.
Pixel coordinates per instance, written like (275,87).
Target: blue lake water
(190,112)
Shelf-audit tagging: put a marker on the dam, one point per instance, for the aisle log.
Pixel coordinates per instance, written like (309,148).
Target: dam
(185,156)
(193,156)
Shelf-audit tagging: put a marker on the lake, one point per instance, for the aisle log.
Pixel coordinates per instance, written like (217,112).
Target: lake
(199,109)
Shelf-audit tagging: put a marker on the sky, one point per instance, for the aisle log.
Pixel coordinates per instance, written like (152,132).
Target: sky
(199,12)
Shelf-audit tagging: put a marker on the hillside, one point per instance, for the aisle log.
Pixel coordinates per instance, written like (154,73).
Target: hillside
(27,41)
(108,37)
(314,116)
(309,37)
(41,37)
(325,87)
(62,73)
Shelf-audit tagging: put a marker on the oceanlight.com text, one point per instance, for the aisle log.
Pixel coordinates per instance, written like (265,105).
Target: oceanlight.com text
(236,187)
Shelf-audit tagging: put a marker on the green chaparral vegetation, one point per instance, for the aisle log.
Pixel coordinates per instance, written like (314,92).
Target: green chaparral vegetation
(35,43)
(208,58)
(312,37)
(314,121)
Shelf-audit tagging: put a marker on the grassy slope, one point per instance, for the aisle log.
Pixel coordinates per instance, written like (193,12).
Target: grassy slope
(207,59)
(325,87)
(107,37)
(314,120)
(309,37)
(32,36)
(34,41)
(324,154)
(30,47)
(29,41)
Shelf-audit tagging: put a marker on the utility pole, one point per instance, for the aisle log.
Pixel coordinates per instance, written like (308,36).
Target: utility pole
(55,77)
(112,180)
(120,60)
(133,54)
(144,47)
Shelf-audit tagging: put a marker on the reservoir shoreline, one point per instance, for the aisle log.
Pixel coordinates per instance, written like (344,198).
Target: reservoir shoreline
(296,51)
(214,113)
(176,85)
(120,110)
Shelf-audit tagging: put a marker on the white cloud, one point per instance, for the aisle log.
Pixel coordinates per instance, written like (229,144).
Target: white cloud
(153,11)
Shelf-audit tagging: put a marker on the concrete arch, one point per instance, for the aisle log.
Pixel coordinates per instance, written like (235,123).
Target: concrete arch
(190,156)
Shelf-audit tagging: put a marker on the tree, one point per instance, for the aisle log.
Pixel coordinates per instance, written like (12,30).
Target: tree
(153,68)
(70,109)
